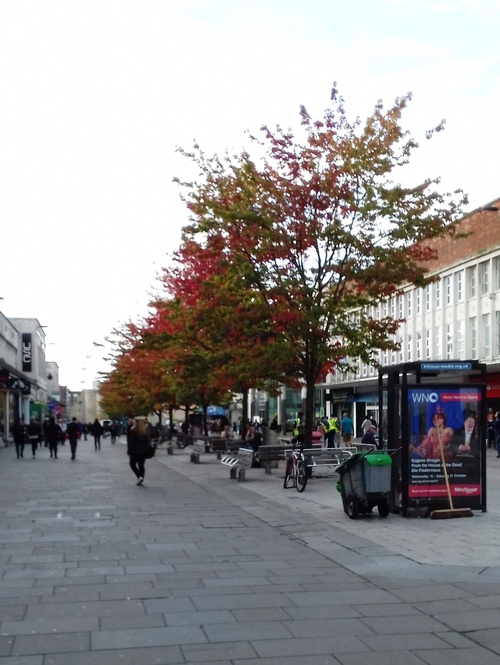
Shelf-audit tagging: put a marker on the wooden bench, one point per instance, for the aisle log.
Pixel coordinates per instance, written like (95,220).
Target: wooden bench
(270,456)
(238,462)
(221,446)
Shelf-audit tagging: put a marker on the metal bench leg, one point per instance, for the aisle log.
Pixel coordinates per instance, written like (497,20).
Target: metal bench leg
(268,467)
(233,473)
(241,475)
(195,459)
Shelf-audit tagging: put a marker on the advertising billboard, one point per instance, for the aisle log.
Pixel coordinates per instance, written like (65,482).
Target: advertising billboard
(444,440)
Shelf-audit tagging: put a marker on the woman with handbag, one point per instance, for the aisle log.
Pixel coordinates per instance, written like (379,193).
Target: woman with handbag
(138,447)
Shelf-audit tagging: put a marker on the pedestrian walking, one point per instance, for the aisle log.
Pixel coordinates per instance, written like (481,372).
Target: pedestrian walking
(34,434)
(137,447)
(97,432)
(19,436)
(73,434)
(347,428)
(53,436)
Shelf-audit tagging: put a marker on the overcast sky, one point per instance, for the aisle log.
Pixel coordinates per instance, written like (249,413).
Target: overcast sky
(97,94)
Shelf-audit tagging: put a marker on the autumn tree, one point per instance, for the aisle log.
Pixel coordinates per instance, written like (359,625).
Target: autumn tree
(319,229)
(221,325)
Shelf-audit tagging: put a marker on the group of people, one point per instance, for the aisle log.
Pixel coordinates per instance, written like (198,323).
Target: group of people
(52,433)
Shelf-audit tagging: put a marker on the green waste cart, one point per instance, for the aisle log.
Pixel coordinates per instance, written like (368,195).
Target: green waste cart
(365,482)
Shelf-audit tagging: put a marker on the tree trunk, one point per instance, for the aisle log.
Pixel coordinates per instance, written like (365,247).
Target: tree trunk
(309,413)
(244,413)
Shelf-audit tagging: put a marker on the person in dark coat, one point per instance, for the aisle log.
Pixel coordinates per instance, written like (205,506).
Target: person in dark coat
(73,433)
(97,432)
(19,436)
(137,445)
(34,435)
(53,436)
(369,436)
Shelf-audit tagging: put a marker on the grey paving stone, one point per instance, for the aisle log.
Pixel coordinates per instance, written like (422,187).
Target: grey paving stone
(402,642)
(324,612)
(385,658)
(47,644)
(323,659)
(430,593)
(130,622)
(470,620)
(222,651)
(198,618)
(326,627)
(68,624)
(466,657)
(387,610)
(165,605)
(132,607)
(307,646)
(403,624)
(12,612)
(147,637)
(254,630)
(22,660)
(238,602)
(6,642)
(166,655)
(368,596)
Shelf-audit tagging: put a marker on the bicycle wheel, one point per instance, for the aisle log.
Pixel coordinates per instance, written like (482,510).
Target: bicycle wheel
(288,473)
(301,476)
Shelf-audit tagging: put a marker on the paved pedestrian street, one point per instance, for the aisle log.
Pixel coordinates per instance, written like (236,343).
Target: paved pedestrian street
(193,567)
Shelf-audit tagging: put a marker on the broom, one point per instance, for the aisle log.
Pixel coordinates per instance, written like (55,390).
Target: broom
(445,513)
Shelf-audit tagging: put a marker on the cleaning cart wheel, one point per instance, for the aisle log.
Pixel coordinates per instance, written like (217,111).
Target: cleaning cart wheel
(383,508)
(352,507)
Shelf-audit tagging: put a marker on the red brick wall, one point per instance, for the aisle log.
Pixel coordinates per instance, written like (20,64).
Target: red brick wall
(483,228)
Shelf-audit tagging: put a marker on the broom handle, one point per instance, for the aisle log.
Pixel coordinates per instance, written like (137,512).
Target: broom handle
(443,462)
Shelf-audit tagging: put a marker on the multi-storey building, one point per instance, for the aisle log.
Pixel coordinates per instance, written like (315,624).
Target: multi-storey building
(456,317)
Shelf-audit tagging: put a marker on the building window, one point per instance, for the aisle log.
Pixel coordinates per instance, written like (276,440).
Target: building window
(419,346)
(484,285)
(409,349)
(428,344)
(485,321)
(409,298)
(471,281)
(428,298)
(418,299)
(400,353)
(439,342)
(401,307)
(447,289)
(497,334)
(437,293)
(392,307)
(473,336)
(449,341)
(461,340)
(459,285)
(496,264)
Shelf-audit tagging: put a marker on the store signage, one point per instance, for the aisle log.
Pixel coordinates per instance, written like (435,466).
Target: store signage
(27,352)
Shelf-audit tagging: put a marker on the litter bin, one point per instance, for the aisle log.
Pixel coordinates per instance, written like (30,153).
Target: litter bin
(365,482)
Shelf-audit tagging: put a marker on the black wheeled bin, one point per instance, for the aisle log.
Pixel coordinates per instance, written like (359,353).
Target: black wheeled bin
(365,482)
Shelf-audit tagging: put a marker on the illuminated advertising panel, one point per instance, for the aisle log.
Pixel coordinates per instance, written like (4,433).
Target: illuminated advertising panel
(444,431)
